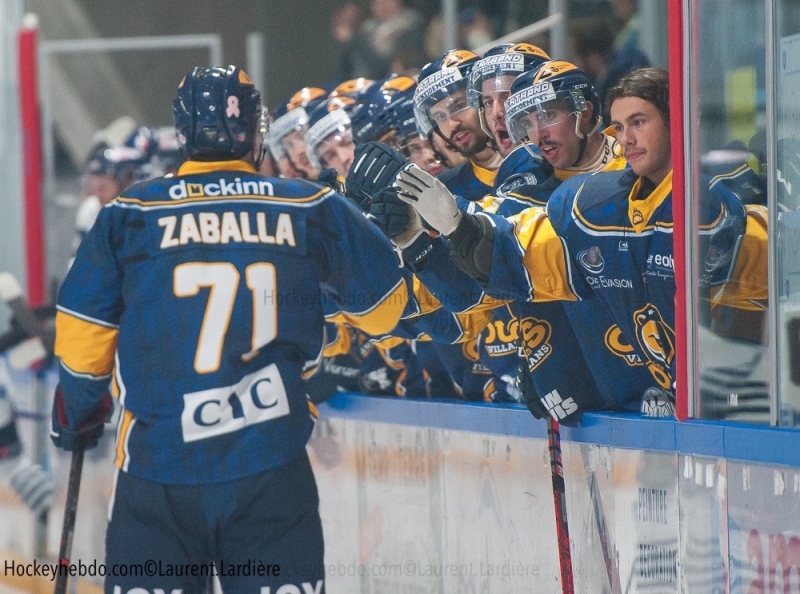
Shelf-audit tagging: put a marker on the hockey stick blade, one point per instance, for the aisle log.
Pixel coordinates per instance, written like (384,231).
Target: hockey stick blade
(68,529)
(560,503)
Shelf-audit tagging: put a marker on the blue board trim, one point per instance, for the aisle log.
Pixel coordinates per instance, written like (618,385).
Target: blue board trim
(732,441)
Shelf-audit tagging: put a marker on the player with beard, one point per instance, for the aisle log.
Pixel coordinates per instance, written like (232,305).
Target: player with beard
(441,107)
(579,132)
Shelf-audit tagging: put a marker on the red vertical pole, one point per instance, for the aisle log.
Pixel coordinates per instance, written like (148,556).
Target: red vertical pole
(675,25)
(27,43)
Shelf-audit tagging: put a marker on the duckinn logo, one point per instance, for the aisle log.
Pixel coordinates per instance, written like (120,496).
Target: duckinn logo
(225,187)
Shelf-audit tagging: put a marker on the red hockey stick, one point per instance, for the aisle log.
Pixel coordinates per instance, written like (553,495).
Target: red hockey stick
(560,501)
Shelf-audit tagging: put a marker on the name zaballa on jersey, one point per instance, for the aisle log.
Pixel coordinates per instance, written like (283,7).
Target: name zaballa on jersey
(210,227)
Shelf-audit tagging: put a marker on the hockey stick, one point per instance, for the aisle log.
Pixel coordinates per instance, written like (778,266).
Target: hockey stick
(560,501)
(68,530)
(602,530)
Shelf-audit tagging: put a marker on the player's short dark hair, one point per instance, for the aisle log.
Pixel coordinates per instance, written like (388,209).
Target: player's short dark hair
(650,84)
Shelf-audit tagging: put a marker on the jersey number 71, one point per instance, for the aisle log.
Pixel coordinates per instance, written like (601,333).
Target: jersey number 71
(222,279)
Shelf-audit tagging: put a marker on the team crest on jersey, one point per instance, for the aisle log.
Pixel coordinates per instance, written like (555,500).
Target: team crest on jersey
(616,343)
(501,338)
(592,260)
(657,342)
(638,217)
(515,182)
(534,341)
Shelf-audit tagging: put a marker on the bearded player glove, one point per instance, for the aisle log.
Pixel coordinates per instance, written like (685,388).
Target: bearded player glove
(375,166)
(403,226)
(430,197)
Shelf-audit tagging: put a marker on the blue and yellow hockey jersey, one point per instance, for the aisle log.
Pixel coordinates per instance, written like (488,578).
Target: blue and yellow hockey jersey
(468,180)
(201,297)
(606,241)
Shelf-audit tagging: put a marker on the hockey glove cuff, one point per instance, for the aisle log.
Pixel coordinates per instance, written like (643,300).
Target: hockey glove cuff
(89,430)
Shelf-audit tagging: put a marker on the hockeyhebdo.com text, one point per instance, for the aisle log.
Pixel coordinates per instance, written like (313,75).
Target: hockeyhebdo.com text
(150,568)
(424,569)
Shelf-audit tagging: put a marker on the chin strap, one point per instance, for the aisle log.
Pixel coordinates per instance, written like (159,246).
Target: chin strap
(584,137)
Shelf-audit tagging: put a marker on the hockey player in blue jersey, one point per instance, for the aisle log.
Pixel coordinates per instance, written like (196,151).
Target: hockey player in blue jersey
(542,332)
(604,238)
(441,108)
(198,299)
(286,133)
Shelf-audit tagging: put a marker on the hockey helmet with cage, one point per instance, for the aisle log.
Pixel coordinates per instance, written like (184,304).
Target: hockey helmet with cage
(443,80)
(547,95)
(218,115)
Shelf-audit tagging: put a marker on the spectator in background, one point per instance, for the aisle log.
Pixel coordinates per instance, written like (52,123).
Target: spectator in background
(475,29)
(592,49)
(368,49)
(626,13)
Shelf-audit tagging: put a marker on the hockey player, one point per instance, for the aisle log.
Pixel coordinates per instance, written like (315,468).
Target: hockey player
(198,298)
(329,138)
(540,332)
(489,86)
(287,132)
(442,109)
(603,239)
(414,146)
(108,172)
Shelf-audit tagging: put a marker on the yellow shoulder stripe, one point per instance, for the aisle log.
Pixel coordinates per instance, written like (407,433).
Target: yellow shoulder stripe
(340,346)
(472,323)
(426,300)
(383,317)
(544,259)
(85,347)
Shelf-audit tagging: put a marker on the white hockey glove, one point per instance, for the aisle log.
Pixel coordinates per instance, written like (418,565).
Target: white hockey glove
(430,197)
(30,482)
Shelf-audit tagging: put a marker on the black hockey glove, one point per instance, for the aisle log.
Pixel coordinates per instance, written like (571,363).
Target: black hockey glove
(529,396)
(394,217)
(375,166)
(403,226)
(90,430)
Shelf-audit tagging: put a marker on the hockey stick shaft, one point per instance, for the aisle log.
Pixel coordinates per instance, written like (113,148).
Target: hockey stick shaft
(560,502)
(68,529)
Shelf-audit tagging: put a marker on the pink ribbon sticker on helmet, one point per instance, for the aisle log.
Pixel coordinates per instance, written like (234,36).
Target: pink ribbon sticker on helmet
(233,107)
